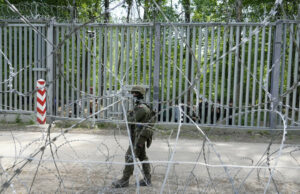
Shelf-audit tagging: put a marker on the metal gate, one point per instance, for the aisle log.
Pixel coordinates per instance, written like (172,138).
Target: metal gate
(22,62)
(239,73)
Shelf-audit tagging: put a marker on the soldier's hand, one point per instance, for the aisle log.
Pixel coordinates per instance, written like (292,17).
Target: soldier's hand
(141,141)
(149,141)
(141,145)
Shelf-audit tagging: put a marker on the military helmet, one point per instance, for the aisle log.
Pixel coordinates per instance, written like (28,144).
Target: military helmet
(139,89)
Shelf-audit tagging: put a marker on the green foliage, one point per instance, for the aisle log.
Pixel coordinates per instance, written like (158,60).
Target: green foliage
(18,119)
(252,10)
(31,122)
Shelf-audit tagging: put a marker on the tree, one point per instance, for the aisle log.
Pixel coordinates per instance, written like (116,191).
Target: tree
(106,7)
(129,5)
(186,4)
(239,8)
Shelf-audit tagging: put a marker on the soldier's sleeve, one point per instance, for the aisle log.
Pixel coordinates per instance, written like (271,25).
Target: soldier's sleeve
(137,115)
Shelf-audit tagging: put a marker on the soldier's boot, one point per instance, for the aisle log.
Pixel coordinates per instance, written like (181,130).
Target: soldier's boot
(123,182)
(146,181)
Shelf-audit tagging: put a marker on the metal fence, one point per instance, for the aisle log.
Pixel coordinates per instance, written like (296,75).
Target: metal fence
(231,74)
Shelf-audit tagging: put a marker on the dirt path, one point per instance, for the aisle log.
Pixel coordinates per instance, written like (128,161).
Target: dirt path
(89,162)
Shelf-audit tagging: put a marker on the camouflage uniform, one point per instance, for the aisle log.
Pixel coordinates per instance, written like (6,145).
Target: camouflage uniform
(140,135)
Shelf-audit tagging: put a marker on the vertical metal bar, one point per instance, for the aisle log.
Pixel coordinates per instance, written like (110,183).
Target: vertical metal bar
(122,64)
(122,57)
(56,69)
(282,80)
(127,55)
(236,69)
(83,78)
(100,71)
(73,74)
(50,67)
(10,59)
(15,67)
(133,58)
(156,67)
(298,44)
(216,105)
(110,66)
(127,60)
(30,68)
(139,58)
(288,84)
(168,73)
(211,69)
(229,78)
(25,68)
(267,76)
(94,72)
(275,74)
(20,65)
(104,71)
(36,63)
(39,51)
(5,69)
(162,104)
(187,64)
(254,79)
(1,70)
(78,75)
(298,49)
(62,80)
(150,65)
(262,60)
(203,115)
(116,66)
(192,72)
(223,71)
(43,59)
(174,76)
(181,64)
(67,74)
(199,69)
(145,56)
(88,77)
(248,75)
(295,71)
(242,76)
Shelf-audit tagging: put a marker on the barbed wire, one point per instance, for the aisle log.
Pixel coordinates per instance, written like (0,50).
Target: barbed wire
(170,162)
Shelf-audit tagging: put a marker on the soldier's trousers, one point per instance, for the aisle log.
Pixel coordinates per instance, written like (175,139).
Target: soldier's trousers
(140,153)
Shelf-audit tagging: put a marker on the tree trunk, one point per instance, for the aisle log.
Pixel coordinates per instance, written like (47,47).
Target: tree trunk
(187,10)
(129,3)
(106,7)
(74,10)
(239,7)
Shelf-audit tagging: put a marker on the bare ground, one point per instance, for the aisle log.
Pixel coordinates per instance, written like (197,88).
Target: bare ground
(86,161)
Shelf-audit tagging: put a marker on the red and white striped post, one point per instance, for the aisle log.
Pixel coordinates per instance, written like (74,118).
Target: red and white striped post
(41,101)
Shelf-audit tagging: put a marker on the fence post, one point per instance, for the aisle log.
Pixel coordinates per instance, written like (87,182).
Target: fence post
(156,72)
(41,101)
(276,59)
(50,69)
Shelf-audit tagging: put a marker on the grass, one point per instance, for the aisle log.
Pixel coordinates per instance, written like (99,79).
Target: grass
(18,119)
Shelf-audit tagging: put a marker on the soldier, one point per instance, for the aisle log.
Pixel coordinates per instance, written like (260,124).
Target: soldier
(140,135)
